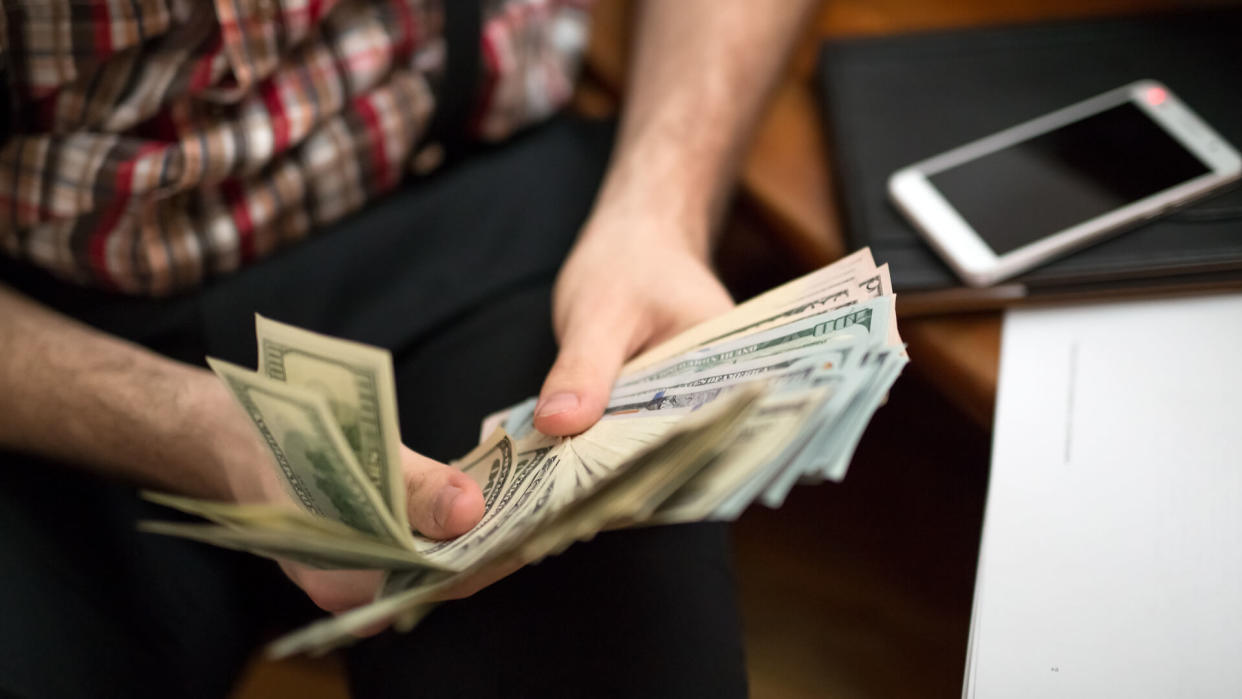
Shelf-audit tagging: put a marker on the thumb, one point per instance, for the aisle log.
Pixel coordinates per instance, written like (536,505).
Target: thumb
(577,388)
(440,500)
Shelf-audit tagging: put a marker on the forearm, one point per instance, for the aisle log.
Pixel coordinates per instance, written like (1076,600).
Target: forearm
(72,393)
(700,73)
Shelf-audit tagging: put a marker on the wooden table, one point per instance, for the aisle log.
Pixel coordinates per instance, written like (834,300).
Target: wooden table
(787,178)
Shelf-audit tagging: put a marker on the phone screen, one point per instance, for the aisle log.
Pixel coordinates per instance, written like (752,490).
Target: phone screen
(1059,179)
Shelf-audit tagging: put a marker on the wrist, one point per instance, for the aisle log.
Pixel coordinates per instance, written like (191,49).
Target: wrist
(649,220)
(234,460)
(655,201)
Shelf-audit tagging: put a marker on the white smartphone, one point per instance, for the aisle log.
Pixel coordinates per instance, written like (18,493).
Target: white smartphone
(1020,197)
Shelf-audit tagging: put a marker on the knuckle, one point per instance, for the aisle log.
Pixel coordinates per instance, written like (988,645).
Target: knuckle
(415,483)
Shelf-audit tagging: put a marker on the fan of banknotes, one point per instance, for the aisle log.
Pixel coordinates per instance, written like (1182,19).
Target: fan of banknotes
(735,410)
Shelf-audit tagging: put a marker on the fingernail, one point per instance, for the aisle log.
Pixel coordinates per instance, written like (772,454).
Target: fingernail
(444,505)
(556,404)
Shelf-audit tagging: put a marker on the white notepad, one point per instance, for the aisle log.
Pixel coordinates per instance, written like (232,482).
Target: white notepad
(1111,560)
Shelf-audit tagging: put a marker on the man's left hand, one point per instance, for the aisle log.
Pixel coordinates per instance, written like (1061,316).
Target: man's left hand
(628,284)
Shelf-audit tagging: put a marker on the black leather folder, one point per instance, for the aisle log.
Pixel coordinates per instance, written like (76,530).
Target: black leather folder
(891,101)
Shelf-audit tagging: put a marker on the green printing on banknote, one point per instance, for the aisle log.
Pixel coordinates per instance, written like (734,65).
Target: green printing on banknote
(357,382)
(310,454)
(360,423)
(816,331)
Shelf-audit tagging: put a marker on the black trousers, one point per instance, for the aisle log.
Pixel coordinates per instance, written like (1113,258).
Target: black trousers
(453,274)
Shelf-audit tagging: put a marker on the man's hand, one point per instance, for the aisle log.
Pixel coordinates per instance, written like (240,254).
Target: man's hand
(171,426)
(698,75)
(629,284)
(83,397)
(441,501)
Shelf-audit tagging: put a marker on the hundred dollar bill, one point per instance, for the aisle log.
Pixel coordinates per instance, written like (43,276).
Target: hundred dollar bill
(270,517)
(313,459)
(517,489)
(761,439)
(626,495)
(840,388)
(691,380)
(869,318)
(822,434)
(610,443)
(848,281)
(357,381)
(332,632)
(831,283)
(839,294)
(834,456)
(314,549)
(737,409)
(278,531)
(813,366)
(509,492)
(834,353)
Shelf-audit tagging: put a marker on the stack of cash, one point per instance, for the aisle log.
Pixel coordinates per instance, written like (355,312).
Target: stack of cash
(735,410)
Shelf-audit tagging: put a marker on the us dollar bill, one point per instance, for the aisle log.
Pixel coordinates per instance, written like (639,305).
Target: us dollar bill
(266,516)
(626,495)
(733,411)
(843,292)
(688,390)
(859,319)
(313,549)
(772,425)
(834,283)
(518,487)
(311,455)
(357,381)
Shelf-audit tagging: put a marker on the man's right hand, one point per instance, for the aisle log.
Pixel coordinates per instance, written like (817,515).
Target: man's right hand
(80,396)
(441,501)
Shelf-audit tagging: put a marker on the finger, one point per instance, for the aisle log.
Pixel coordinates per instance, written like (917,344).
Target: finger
(441,501)
(576,390)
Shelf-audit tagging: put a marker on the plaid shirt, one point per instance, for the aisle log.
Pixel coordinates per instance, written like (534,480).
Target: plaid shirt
(162,142)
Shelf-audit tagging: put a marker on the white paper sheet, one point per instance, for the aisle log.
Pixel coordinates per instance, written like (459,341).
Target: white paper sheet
(1111,561)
